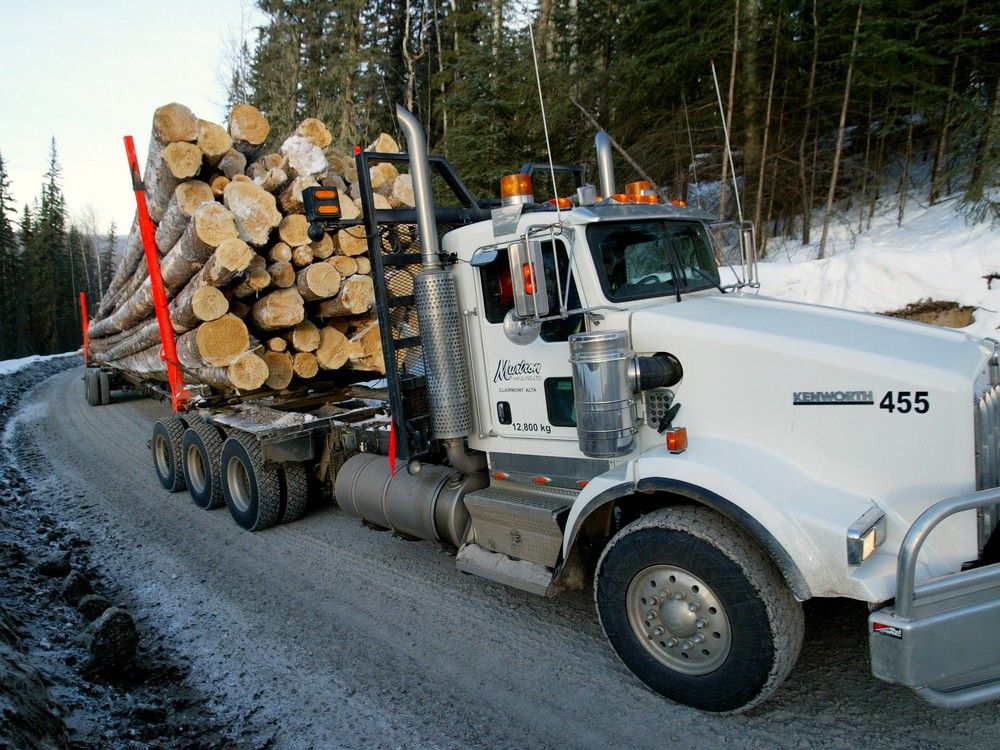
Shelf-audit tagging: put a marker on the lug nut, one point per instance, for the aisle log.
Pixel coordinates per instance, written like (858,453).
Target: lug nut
(671,642)
(659,631)
(694,607)
(654,601)
(686,646)
(700,622)
(679,595)
(698,638)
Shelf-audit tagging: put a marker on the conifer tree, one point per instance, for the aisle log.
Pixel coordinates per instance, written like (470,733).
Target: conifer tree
(11,293)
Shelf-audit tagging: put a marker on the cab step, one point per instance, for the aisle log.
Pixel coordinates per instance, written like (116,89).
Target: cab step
(518,574)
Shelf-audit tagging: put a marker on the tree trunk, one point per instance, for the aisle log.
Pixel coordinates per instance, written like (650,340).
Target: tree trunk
(724,181)
(805,185)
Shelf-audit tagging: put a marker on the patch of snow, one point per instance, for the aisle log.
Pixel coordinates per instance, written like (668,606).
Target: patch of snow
(10,366)
(934,254)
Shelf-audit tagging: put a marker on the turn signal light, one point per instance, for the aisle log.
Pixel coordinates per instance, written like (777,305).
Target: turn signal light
(620,198)
(528,273)
(541,480)
(639,187)
(516,188)
(682,204)
(321,204)
(564,203)
(500,475)
(327,210)
(677,439)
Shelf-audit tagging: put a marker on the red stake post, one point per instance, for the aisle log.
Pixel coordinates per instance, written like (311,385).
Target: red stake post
(178,396)
(86,334)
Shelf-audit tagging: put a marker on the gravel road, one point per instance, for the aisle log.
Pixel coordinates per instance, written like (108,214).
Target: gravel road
(327,633)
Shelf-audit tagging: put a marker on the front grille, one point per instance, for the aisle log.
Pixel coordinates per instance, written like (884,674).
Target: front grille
(988,457)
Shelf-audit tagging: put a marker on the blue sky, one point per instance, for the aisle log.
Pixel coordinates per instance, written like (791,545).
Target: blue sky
(89,73)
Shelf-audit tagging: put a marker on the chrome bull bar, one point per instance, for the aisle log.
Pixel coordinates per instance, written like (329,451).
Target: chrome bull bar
(942,637)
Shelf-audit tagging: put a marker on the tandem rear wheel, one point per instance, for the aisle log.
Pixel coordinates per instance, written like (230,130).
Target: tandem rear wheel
(258,494)
(201,449)
(168,434)
(96,387)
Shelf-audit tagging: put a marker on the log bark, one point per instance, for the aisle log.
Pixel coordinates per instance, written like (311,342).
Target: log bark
(254,211)
(175,163)
(232,163)
(318,281)
(280,309)
(186,198)
(172,123)
(356,296)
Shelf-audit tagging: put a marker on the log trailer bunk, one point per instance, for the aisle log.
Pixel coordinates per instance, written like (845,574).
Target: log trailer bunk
(530,421)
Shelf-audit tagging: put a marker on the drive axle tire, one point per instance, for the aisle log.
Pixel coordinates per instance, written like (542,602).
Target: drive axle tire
(90,387)
(201,448)
(697,610)
(104,388)
(252,490)
(295,492)
(166,445)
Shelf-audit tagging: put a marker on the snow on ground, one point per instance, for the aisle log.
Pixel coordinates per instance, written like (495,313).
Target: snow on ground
(10,366)
(934,254)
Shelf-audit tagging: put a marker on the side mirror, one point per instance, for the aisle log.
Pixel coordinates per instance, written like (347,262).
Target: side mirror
(748,243)
(527,273)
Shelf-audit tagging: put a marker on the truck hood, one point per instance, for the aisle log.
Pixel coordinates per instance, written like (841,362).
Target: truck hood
(811,332)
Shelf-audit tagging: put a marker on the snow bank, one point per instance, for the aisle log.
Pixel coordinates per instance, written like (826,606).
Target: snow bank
(935,254)
(10,366)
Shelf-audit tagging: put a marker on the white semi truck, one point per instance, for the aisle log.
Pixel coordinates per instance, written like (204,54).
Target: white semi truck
(573,399)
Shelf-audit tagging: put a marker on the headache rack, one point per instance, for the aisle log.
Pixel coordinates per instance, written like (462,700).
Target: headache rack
(393,239)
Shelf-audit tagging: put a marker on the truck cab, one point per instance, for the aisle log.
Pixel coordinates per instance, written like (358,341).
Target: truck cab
(708,457)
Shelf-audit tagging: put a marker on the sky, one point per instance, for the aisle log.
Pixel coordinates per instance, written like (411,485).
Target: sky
(89,73)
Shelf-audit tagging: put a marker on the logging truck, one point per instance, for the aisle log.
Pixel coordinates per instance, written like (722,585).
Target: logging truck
(573,398)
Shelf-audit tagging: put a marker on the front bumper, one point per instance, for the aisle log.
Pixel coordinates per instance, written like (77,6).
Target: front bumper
(941,638)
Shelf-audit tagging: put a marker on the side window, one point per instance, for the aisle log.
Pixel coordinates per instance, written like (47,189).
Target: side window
(559,402)
(498,292)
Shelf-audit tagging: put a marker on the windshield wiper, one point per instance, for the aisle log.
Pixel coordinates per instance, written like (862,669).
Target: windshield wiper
(701,272)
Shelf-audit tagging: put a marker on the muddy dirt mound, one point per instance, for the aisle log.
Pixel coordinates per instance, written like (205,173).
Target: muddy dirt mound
(936,312)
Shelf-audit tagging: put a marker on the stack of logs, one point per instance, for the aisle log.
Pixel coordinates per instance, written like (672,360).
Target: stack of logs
(253,302)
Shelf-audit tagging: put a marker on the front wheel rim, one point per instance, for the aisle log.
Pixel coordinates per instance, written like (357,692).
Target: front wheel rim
(678,619)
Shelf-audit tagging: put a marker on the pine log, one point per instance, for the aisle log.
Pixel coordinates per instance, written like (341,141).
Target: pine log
(280,251)
(254,211)
(282,274)
(249,128)
(210,225)
(318,281)
(277,344)
(272,180)
(248,373)
(214,142)
(177,162)
(366,349)
(357,294)
(280,309)
(208,303)
(351,241)
(346,266)
(294,230)
(323,248)
(304,337)
(382,177)
(343,165)
(239,308)
(290,198)
(233,163)
(172,123)
(279,370)
(232,257)
(128,262)
(255,279)
(384,144)
(303,157)
(334,349)
(302,256)
(218,184)
(364,265)
(305,365)
(186,198)
(218,343)
(402,192)
(315,131)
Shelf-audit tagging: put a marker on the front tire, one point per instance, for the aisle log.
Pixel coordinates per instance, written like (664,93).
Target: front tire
(166,446)
(201,448)
(697,610)
(251,489)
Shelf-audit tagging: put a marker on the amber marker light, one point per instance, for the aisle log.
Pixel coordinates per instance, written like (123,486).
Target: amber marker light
(516,188)
(564,203)
(328,209)
(500,475)
(528,273)
(639,187)
(541,480)
(677,439)
(327,194)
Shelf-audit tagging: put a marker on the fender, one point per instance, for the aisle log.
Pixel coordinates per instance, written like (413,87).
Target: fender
(799,521)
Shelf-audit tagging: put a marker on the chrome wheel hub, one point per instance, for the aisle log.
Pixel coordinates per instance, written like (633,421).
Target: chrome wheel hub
(678,619)
(239,484)
(196,475)
(162,453)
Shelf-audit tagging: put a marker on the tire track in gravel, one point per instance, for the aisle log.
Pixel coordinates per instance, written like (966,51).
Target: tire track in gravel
(338,634)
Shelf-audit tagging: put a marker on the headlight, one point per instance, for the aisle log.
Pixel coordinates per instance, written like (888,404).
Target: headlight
(865,536)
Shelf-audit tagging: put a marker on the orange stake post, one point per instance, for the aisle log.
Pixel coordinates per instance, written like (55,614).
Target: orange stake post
(178,396)
(86,334)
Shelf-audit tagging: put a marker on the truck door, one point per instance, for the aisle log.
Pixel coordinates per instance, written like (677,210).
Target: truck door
(530,386)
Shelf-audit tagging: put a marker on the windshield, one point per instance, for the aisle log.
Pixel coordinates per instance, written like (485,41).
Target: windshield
(642,259)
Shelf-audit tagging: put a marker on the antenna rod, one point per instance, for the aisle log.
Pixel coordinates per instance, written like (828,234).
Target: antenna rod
(729,150)
(545,123)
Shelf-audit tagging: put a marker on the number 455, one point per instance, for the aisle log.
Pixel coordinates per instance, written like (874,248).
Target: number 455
(901,402)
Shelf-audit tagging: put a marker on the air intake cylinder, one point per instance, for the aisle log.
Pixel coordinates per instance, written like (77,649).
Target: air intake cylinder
(605,405)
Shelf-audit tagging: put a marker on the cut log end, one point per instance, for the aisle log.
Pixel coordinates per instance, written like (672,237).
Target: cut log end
(209,303)
(249,372)
(279,370)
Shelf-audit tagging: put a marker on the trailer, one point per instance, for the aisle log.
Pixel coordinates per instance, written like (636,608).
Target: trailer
(573,398)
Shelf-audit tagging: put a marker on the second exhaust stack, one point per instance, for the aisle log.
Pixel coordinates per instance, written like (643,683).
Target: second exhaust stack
(605,165)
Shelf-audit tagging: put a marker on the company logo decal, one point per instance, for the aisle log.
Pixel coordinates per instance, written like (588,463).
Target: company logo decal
(507,371)
(889,630)
(833,398)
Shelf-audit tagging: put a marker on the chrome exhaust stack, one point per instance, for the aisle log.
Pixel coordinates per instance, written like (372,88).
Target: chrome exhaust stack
(605,164)
(440,318)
